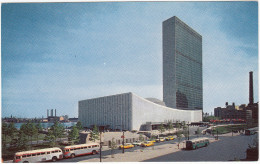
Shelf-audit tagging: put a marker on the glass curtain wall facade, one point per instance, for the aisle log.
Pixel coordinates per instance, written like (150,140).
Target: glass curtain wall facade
(182,65)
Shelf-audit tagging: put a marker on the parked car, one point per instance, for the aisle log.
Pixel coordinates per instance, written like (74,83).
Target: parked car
(137,143)
(171,137)
(126,146)
(160,139)
(147,143)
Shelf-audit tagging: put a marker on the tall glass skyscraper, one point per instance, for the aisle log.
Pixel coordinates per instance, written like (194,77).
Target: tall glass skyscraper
(182,65)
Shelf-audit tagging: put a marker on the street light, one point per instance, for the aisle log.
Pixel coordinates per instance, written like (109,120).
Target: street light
(123,150)
(188,132)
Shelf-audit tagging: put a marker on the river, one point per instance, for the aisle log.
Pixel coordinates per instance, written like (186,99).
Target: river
(49,124)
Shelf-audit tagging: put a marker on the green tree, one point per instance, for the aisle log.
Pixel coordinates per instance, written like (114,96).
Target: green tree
(74,135)
(11,130)
(178,133)
(22,141)
(161,128)
(198,131)
(31,130)
(141,138)
(38,127)
(79,125)
(50,137)
(169,126)
(94,135)
(57,130)
(185,131)
(4,134)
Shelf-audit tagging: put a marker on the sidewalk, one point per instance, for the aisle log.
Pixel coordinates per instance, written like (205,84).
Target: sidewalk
(140,155)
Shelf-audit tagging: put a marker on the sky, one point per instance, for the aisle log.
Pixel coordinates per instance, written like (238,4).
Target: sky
(55,54)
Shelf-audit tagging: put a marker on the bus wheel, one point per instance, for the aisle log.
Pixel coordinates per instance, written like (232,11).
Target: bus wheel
(94,152)
(54,159)
(72,155)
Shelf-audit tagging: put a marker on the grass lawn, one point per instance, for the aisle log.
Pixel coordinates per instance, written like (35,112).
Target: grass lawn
(228,129)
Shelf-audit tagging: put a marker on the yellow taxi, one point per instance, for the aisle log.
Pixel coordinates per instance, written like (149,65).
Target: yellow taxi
(171,137)
(147,143)
(160,139)
(126,146)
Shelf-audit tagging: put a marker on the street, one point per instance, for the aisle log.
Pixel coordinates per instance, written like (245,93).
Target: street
(227,148)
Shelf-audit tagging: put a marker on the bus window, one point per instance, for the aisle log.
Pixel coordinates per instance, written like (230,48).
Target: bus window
(89,146)
(33,154)
(59,150)
(38,153)
(18,157)
(42,153)
(29,155)
(82,148)
(67,150)
(56,151)
(24,156)
(49,152)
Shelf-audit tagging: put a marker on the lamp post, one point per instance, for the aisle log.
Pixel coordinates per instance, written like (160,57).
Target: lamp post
(188,131)
(100,147)
(123,151)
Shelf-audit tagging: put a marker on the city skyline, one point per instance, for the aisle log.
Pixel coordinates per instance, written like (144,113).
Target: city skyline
(55,54)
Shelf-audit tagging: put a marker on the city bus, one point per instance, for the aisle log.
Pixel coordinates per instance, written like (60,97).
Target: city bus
(197,143)
(82,149)
(251,131)
(40,155)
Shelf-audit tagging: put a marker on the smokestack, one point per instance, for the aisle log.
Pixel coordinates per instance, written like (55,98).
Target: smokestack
(251,92)
(55,112)
(47,113)
(52,112)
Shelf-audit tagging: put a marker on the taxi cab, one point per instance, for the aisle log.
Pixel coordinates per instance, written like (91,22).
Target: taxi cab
(171,137)
(126,146)
(160,139)
(147,143)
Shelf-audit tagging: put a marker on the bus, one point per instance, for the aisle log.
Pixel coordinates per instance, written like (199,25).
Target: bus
(82,149)
(197,143)
(40,155)
(251,131)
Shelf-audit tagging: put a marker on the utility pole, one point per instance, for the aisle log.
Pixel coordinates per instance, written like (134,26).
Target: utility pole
(188,131)
(100,147)
(123,142)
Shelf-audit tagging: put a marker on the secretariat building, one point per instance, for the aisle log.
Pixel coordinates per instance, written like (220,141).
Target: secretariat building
(182,65)
(182,88)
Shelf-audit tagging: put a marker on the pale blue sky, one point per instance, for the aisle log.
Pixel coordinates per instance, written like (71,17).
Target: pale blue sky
(55,54)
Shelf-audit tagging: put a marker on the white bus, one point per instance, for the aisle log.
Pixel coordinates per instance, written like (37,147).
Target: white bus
(40,155)
(82,149)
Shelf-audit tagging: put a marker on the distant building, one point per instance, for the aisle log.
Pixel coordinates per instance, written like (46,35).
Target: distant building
(248,112)
(182,66)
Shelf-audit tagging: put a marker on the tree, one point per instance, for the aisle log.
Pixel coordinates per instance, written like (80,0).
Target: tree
(4,133)
(94,135)
(31,130)
(185,131)
(198,131)
(113,147)
(11,130)
(57,130)
(169,126)
(22,141)
(51,138)
(141,138)
(178,133)
(74,134)
(79,125)
(161,128)
(38,130)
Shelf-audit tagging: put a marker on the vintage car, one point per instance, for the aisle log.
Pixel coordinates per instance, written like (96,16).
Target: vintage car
(147,143)
(126,146)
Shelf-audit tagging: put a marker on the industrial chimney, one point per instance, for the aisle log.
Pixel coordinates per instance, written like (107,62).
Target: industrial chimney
(251,92)
(55,112)
(47,113)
